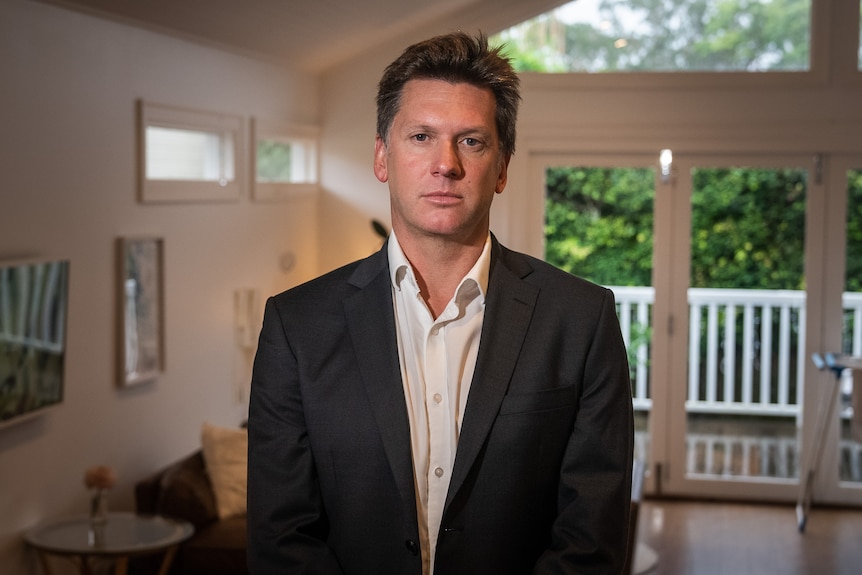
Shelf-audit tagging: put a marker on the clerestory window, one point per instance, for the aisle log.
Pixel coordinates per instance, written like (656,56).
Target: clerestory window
(284,160)
(665,36)
(189,155)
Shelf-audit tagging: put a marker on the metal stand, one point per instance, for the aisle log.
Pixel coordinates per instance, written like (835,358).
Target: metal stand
(837,364)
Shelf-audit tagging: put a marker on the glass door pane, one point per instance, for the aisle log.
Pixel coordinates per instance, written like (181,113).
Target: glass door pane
(850,444)
(739,310)
(599,226)
(859,59)
(746,314)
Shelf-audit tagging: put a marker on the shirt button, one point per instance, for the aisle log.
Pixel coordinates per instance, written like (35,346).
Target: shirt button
(438,472)
(438,398)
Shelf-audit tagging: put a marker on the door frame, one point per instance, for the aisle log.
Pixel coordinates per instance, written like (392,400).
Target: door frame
(828,488)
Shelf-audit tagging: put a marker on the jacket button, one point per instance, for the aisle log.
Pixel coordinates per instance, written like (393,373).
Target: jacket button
(412,547)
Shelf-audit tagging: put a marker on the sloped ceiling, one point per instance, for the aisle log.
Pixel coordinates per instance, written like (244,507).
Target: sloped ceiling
(311,35)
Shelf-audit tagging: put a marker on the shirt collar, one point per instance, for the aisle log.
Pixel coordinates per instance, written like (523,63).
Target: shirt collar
(400,268)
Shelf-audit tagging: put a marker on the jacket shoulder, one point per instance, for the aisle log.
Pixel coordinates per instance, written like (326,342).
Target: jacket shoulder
(549,277)
(336,284)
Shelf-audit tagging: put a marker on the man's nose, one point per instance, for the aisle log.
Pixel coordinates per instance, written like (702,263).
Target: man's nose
(448,161)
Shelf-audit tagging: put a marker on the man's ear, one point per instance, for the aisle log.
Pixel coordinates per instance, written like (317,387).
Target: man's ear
(381,169)
(503,176)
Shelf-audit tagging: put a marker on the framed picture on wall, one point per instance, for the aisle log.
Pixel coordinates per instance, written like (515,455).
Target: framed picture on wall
(34,298)
(141,309)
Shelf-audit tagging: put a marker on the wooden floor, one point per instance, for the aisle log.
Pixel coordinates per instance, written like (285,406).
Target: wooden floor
(695,538)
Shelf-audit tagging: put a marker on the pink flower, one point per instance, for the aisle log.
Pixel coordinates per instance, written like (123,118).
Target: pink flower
(100,477)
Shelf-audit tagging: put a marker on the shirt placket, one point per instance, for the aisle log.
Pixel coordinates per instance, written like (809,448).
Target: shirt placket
(439,418)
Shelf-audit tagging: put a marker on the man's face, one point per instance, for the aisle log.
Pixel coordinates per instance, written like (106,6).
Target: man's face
(443,162)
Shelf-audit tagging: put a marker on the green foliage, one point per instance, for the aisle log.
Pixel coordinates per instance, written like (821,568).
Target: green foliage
(639,334)
(599,223)
(273,161)
(668,35)
(530,58)
(854,231)
(748,228)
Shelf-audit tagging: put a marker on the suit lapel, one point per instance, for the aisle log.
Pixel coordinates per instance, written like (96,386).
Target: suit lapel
(509,308)
(371,323)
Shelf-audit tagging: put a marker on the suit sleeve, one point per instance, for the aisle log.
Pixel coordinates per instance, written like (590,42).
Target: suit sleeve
(287,524)
(589,535)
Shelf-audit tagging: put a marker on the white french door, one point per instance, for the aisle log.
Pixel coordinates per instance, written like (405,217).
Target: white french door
(838,477)
(725,393)
(742,322)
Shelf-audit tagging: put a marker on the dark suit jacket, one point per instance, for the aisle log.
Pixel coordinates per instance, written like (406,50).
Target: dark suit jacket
(542,475)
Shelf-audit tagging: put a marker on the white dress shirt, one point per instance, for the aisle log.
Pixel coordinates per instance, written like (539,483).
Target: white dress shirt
(437,360)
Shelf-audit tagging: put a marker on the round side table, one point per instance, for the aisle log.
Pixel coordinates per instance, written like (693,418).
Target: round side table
(121,536)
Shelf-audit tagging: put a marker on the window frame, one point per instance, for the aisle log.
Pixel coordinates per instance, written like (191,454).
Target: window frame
(307,136)
(166,190)
(833,27)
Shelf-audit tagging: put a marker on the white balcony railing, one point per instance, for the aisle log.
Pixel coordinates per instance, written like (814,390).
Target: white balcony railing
(711,455)
(746,350)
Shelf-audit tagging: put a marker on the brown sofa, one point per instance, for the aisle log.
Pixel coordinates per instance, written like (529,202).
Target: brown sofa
(183,490)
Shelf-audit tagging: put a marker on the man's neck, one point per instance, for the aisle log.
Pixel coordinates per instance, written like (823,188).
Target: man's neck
(440,265)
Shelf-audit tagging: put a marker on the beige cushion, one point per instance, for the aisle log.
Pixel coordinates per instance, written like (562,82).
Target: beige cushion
(226,456)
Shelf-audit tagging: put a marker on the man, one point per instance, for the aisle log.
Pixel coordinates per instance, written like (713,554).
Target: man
(446,405)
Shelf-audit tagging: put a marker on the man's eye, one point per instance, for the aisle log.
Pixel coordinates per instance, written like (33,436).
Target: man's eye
(472,142)
(420,137)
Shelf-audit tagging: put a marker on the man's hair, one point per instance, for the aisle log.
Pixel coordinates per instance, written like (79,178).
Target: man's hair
(454,58)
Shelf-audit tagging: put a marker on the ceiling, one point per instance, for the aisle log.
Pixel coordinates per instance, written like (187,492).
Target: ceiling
(311,35)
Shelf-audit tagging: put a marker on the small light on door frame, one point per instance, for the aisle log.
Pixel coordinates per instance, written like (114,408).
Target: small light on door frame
(666,162)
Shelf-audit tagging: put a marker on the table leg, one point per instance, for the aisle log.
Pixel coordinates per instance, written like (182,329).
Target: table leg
(43,560)
(121,565)
(82,566)
(168,559)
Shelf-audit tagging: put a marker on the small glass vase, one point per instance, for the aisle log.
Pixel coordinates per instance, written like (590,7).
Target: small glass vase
(99,506)
(98,517)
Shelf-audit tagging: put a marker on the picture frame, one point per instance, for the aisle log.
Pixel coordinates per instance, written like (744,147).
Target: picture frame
(34,303)
(140,299)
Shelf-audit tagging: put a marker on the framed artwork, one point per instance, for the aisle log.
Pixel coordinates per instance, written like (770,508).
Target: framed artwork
(141,309)
(33,307)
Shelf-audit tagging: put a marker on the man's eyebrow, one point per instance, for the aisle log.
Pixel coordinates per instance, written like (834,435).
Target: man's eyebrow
(420,127)
(476,130)
(415,127)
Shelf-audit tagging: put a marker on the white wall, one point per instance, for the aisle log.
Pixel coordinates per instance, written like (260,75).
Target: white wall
(67,157)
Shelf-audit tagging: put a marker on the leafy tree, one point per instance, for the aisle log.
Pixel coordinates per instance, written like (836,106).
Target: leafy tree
(854,231)
(273,161)
(599,223)
(748,228)
(668,35)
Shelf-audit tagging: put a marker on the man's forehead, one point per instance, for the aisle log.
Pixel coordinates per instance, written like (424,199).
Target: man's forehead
(420,93)
(421,82)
